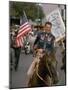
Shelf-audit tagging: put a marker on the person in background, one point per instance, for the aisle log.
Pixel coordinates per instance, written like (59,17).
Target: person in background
(63,67)
(31,39)
(17,50)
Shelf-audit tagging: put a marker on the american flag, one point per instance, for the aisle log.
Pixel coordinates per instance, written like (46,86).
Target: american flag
(24,29)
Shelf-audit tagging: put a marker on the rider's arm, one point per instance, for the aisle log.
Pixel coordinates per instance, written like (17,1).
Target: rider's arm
(53,40)
(36,40)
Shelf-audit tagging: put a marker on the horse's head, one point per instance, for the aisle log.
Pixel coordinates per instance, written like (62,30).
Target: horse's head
(43,70)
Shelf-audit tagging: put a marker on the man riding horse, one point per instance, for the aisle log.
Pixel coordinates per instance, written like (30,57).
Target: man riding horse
(45,65)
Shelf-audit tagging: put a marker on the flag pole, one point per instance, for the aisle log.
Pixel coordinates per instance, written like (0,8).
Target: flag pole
(25,14)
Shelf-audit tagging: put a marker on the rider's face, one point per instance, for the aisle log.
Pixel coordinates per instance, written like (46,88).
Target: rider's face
(47,28)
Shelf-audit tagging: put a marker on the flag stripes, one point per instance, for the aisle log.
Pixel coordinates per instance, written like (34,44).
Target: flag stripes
(24,29)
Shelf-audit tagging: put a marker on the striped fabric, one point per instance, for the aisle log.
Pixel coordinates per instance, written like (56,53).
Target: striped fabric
(24,28)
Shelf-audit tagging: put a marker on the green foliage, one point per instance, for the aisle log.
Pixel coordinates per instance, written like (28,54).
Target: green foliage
(31,10)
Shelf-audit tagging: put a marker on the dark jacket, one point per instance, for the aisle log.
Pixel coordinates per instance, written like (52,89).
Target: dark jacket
(44,40)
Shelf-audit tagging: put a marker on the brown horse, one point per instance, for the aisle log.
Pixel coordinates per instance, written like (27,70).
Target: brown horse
(44,71)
